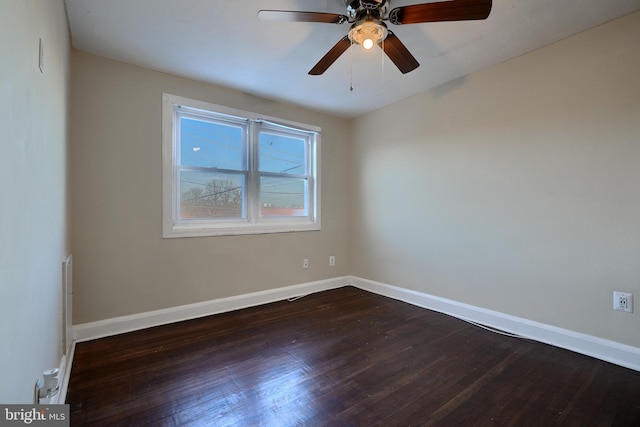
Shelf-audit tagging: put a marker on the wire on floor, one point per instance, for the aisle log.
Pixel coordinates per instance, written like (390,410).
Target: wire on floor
(292,299)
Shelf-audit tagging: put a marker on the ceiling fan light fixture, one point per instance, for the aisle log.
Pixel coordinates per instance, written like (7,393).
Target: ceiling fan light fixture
(368,32)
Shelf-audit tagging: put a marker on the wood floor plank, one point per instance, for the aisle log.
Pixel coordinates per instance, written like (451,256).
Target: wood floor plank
(343,357)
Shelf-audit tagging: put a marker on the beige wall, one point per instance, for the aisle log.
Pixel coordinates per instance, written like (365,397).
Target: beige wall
(122,264)
(33,196)
(516,189)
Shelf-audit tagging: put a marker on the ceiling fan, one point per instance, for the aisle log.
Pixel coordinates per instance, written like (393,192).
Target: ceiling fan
(367,27)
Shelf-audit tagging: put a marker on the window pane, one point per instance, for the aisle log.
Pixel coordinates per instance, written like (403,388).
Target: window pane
(211,145)
(282,154)
(211,195)
(283,196)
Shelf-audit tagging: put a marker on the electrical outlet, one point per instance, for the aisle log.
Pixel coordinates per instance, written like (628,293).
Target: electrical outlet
(623,301)
(305,263)
(332,260)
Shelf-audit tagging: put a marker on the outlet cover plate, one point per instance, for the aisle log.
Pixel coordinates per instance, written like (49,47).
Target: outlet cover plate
(623,301)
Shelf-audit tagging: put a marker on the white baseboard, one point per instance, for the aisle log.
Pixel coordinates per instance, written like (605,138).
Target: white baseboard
(65,374)
(119,325)
(610,351)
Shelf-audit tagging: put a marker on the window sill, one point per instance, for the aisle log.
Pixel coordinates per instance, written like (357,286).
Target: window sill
(182,231)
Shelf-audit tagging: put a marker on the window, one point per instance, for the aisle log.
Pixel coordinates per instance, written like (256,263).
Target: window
(227,171)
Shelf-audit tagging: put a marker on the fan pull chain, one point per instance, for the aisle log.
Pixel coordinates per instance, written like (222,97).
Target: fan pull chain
(351,67)
(382,67)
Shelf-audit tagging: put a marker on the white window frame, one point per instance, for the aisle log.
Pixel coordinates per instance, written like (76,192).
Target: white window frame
(173,226)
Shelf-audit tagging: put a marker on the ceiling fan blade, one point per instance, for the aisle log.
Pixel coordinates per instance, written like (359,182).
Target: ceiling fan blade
(398,53)
(331,56)
(452,10)
(295,16)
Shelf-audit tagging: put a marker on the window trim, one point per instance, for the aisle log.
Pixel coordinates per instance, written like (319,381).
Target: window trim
(253,224)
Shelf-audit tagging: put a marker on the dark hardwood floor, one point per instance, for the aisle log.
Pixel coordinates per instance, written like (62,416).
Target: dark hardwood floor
(343,357)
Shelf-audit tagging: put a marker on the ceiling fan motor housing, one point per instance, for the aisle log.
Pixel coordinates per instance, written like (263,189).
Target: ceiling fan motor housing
(358,9)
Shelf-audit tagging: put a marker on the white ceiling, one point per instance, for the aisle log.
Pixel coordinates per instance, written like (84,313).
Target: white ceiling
(222,42)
